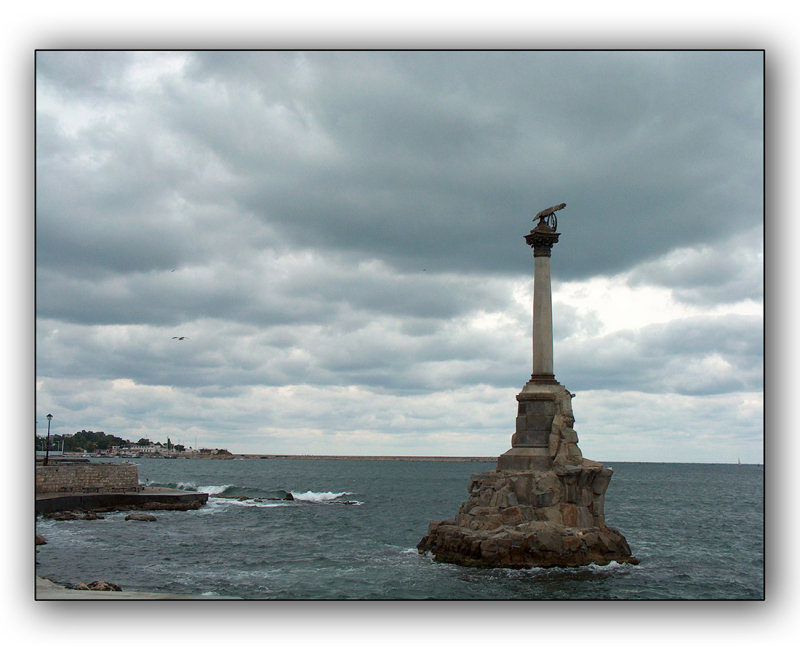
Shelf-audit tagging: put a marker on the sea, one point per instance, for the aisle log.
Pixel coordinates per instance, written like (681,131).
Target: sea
(351,534)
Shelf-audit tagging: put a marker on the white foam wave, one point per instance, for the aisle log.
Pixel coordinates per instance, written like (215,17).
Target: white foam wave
(313,496)
(255,503)
(220,503)
(213,490)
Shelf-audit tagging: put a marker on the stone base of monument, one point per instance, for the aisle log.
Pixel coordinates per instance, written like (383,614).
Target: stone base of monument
(530,518)
(544,504)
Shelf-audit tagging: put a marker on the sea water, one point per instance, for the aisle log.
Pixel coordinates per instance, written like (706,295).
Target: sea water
(352,529)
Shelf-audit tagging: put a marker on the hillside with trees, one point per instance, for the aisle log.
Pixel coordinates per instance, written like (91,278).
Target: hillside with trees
(93,441)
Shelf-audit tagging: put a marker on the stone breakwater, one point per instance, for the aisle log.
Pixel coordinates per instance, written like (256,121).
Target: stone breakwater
(83,477)
(82,504)
(544,504)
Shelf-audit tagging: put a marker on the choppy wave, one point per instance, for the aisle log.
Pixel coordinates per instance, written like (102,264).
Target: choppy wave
(221,500)
(314,496)
(192,486)
(213,490)
(251,495)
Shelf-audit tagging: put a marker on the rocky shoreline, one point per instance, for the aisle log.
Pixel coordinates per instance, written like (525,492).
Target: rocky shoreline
(46,589)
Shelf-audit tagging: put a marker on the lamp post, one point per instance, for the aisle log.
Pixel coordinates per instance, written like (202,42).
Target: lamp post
(47,446)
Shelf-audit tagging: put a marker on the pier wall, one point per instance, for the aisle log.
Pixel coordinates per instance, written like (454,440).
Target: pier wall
(87,478)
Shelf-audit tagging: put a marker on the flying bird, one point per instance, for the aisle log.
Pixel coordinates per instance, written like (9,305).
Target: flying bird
(180,338)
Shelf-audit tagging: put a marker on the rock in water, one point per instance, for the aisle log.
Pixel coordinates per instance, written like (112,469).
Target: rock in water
(144,517)
(76,514)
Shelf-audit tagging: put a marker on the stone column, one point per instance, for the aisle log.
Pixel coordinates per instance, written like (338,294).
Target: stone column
(541,399)
(541,239)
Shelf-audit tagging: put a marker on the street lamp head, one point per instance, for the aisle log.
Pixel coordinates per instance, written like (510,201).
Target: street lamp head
(49,416)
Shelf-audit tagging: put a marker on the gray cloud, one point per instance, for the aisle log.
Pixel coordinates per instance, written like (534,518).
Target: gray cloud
(731,272)
(697,356)
(409,156)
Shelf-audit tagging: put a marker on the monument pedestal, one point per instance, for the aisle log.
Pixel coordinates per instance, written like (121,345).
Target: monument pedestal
(542,506)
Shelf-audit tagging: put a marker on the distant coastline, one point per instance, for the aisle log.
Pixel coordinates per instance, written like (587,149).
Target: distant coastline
(213,454)
(343,457)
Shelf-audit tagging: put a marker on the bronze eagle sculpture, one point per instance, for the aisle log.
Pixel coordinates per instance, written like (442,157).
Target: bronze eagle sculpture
(546,213)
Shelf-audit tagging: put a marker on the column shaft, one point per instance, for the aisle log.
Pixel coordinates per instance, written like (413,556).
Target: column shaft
(542,318)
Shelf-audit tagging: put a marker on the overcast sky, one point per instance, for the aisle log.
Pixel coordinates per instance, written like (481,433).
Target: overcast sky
(339,237)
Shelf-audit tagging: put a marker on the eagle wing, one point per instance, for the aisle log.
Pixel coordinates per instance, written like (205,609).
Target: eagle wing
(546,212)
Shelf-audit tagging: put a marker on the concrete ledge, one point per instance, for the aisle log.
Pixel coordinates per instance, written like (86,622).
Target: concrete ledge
(170,498)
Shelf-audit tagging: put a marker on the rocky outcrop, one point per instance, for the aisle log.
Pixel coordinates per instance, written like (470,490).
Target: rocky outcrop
(544,504)
(531,518)
(97,585)
(144,517)
(74,515)
(534,544)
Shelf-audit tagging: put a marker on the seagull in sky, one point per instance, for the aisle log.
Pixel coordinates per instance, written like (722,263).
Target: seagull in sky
(180,338)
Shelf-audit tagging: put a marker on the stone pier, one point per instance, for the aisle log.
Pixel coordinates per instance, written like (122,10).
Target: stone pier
(84,486)
(543,505)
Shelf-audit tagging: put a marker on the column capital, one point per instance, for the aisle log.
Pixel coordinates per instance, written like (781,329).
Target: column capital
(541,239)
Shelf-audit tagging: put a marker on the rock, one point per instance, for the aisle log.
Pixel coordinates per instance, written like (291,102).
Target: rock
(144,517)
(40,540)
(76,514)
(526,546)
(513,515)
(569,514)
(61,515)
(548,540)
(100,585)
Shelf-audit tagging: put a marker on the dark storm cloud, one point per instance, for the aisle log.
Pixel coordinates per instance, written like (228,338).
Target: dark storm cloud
(650,151)
(431,160)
